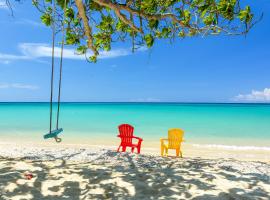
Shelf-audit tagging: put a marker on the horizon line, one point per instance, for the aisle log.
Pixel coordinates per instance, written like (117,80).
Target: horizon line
(139,102)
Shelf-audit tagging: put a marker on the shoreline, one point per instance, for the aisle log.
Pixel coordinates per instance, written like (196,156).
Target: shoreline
(203,151)
(152,141)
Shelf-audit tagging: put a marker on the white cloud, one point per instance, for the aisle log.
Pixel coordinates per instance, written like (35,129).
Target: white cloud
(6,58)
(32,51)
(12,57)
(18,86)
(254,96)
(39,50)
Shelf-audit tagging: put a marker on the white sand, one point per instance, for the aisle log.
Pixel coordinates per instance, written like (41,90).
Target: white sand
(101,173)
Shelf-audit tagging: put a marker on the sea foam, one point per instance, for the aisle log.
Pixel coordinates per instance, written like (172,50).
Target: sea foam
(232,147)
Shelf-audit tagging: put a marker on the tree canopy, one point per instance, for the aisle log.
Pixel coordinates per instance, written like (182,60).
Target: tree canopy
(93,25)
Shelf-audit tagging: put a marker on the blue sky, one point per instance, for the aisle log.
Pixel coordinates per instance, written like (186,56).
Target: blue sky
(212,69)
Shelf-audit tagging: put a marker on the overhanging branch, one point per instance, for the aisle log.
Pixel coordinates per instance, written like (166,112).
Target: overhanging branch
(87,28)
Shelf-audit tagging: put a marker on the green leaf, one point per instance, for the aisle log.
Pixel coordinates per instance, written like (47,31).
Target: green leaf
(121,26)
(182,34)
(107,47)
(203,12)
(245,15)
(165,32)
(81,49)
(149,6)
(72,38)
(153,24)
(94,6)
(69,13)
(46,19)
(226,8)
(149,40)
(208,20)
(106,24)
(187,17)
(158,34)
(93,58)
(61,3)
(35,2)
(192,32)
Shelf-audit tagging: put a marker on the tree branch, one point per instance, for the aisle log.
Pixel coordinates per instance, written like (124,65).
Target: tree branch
(119,7)
(87,28)
(117,10)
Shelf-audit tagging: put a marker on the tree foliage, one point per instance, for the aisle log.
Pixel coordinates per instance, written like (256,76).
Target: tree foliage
(94,24)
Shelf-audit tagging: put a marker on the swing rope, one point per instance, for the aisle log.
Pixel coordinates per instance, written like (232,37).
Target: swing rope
(61,68)
(52,71)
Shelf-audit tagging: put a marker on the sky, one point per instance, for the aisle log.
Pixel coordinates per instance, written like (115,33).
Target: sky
(200,69)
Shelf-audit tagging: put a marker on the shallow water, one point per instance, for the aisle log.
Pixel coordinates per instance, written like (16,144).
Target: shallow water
(222,124)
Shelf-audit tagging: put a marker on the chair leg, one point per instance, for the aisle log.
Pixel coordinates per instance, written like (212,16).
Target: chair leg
(177,152)
(161,150)
(124,148)
(166,150)
(119,148)
(132,149)
(138,150)
(181,155)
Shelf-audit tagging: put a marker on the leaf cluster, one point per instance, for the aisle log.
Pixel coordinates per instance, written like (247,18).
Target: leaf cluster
(144,21)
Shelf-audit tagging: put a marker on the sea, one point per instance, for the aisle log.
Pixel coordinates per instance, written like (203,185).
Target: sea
(225,125)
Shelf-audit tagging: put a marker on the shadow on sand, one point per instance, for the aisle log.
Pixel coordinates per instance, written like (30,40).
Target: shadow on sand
(128,176)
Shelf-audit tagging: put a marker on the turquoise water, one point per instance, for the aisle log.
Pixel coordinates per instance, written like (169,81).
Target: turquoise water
(233,124)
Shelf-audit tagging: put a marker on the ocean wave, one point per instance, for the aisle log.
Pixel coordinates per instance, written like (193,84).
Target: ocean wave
(232,147)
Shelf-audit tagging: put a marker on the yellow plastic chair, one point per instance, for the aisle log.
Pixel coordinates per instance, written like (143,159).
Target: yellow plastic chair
(174,140)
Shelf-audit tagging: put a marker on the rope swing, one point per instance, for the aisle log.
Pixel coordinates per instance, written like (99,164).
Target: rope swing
(54,133)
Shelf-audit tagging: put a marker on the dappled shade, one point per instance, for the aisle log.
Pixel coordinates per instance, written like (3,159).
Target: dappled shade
(113,175)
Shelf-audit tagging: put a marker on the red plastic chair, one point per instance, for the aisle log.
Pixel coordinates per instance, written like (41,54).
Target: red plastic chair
(126,136)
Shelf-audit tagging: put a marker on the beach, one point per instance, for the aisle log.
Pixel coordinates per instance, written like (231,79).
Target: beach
(99,172)
(181,88)
(226,153)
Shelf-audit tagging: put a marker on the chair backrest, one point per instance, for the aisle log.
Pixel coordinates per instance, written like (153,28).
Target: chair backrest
(126,133)
(175,137)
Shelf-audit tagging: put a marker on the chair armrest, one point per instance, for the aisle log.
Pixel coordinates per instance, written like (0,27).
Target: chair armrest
(123,136)
(138,138)
(162,139)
